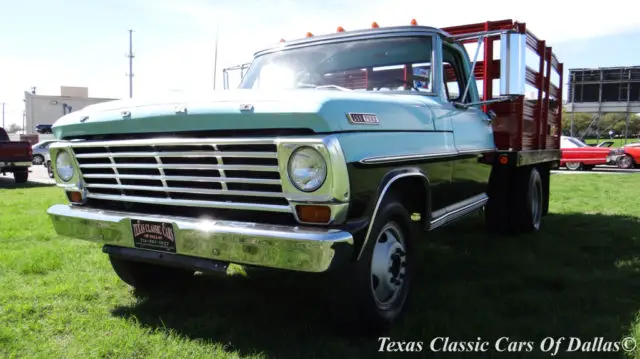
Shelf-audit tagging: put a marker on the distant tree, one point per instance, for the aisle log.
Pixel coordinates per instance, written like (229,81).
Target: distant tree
(605,123)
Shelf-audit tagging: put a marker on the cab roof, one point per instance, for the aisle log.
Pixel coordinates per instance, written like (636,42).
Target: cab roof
(363,34)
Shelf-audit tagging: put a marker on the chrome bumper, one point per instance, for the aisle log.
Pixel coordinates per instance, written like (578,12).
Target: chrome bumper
(293,248)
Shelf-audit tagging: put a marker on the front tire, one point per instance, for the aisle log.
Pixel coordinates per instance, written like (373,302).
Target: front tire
(38,159)
(625,162)
(145,276)
(574,166)
(374,293)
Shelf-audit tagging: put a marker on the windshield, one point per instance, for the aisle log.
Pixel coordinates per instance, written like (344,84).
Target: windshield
(573,142)
(387,64)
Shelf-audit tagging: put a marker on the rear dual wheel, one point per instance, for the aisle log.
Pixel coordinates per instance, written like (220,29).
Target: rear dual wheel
(516,200)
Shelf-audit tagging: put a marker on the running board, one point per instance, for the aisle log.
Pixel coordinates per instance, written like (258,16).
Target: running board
(456,211)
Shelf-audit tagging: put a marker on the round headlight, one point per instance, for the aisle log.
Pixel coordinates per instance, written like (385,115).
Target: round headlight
(307,169)
(64,166)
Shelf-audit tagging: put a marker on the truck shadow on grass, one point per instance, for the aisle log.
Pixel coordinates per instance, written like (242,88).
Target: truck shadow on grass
(579,277)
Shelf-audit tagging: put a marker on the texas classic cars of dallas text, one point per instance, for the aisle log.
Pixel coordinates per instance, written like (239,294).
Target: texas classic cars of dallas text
(296,170)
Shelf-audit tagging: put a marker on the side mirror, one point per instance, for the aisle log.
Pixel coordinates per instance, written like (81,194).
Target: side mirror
(512,64)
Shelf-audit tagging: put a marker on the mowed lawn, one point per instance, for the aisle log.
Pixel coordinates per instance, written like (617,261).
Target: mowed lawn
(579,277)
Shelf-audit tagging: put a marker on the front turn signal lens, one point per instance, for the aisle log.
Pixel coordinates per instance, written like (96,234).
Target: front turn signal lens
(74,196)
(313,214)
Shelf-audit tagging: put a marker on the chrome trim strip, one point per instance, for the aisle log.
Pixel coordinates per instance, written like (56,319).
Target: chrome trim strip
(382,194)
(183,166)
(185,190)
(180,154)
(410,157)
(194,203)
(190,179)
(169,141)
(306,249)
(457,210)
(422,156)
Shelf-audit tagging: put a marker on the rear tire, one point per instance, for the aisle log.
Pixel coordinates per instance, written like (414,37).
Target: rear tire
(374,292)
(527,201)
(21,176)
(145,276)
(516,200)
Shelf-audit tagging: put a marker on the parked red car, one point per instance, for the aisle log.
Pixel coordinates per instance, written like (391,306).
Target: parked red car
(577,155)
(630,157)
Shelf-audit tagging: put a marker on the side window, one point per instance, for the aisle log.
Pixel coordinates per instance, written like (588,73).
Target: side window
(454,76)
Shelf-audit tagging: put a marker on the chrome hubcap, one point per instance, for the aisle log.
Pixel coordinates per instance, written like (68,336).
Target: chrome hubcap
(388,266)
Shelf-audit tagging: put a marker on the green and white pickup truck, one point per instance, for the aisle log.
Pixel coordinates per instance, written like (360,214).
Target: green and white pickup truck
(336,154)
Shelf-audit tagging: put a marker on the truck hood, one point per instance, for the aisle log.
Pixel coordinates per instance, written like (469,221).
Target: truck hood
(317,110)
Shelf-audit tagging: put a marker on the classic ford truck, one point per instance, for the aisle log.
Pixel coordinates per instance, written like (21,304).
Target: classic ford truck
(334,156)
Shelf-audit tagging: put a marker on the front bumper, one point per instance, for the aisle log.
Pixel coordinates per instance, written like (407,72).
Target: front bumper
(306,249)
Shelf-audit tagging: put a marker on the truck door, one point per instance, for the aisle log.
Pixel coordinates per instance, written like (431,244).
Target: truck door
(471,127)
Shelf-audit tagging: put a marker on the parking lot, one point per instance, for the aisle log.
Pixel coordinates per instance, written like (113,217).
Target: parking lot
(37,175)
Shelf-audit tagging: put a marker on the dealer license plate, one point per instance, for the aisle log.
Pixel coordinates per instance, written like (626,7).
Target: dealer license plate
(158,236)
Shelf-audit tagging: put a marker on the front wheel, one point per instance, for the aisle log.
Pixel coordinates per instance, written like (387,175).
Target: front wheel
(374,293)
(625,162)
(574,166)
(38,159)
(145,276)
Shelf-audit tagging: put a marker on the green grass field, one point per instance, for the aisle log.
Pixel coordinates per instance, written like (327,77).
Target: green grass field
(579,277)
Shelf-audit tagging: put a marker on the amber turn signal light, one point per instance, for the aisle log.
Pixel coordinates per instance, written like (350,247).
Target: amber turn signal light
(74,196)
(313,214)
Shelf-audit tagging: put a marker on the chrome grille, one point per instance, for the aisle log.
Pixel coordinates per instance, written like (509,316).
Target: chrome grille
(227,174)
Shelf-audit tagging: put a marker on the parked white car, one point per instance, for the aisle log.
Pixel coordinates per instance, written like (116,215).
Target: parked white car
(40,151)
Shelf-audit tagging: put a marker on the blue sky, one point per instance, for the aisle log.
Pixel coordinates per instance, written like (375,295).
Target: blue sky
(83,43)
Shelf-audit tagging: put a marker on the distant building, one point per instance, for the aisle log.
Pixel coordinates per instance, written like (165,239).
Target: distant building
(47,109)
(604,89)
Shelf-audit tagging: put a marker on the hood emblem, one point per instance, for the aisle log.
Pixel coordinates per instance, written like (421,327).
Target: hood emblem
(246,107)
(363,119)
